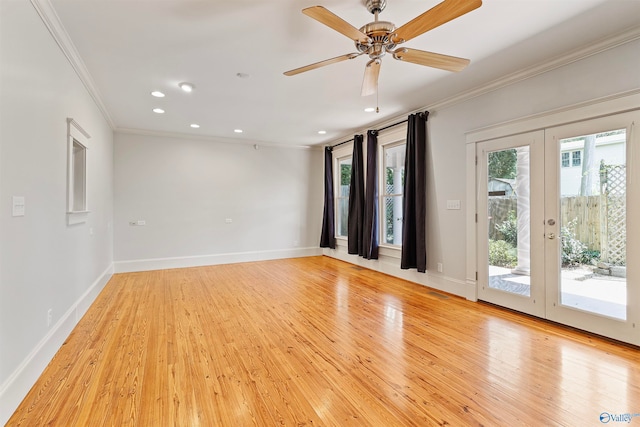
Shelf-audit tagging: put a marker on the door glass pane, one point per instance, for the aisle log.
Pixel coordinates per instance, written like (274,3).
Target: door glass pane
(593,223)
(509,220)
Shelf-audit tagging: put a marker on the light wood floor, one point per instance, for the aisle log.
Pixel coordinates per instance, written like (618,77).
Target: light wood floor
(318,342)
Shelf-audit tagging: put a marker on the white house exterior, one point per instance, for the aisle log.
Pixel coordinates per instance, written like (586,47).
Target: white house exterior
(609,148)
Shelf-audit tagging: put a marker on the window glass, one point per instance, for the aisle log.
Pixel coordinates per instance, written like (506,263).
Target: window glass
(576,158)
(342,196)
(392,194)
(78,177)
(565,160)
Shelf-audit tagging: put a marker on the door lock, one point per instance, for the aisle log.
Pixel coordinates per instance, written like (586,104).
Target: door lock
(551,222)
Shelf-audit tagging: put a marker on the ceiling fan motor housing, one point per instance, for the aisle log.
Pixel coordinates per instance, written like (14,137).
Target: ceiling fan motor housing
(379,32)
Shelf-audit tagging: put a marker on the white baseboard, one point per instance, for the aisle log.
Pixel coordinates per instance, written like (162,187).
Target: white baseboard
(16,387)
(203,260)
(391,266)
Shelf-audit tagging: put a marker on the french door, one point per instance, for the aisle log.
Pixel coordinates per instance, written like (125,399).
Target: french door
(510,222)
(559,224)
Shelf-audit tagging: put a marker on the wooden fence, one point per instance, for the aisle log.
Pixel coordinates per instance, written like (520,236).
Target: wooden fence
(584,209)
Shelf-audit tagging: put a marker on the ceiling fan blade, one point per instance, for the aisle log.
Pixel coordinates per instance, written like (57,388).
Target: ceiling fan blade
(371,73)
(434,17)
(332,20)
(321,64)
(430,59)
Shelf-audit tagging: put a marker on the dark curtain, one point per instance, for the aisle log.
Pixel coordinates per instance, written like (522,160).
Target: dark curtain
(328,236)
(370,226)
(356,199)
(414,242)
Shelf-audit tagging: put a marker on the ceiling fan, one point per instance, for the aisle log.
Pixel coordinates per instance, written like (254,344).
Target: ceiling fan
(378,38)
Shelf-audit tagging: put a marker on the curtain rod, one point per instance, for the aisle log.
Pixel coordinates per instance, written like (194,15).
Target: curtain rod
(380,130)
(341,143)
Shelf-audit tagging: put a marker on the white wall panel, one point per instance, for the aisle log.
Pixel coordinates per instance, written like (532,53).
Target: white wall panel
(186,190)
(44,263)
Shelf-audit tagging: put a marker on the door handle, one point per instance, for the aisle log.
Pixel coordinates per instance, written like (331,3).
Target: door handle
(551,236)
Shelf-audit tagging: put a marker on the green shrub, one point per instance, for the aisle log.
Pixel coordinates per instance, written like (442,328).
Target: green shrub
(502,254)
(574,252)
(590,257)
(509,229)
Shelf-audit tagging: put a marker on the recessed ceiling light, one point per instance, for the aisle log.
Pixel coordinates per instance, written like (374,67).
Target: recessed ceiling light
(187,87)
(237,130)
(157,94)
(158,110)
(369,109)
(322,132)
(195,125)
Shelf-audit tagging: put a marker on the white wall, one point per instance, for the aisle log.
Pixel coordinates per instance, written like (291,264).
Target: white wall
(186,189)
(604,74)
(44,263)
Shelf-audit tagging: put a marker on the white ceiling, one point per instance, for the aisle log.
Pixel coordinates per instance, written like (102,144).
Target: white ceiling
(131,48)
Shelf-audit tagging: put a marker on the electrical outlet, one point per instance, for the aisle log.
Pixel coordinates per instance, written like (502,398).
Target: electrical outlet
(49,317)
(439,267)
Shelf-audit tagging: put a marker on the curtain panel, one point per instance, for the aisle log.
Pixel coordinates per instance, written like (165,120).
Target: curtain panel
(414,242)
(370,226)
(328,235)
(355,220)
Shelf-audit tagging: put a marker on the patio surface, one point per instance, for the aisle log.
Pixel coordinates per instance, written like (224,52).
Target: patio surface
(581,289)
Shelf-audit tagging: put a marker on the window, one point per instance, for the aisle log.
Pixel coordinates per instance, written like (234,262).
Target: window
(576,158)
(78,167)
(565,160)
(391,193)
(76,172)
(342,195)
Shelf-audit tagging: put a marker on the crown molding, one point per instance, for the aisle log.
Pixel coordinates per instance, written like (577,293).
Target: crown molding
(562,60)
(50,18)
(255,143)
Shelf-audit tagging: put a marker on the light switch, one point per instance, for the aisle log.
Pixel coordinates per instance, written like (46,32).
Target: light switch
(18,206)
(453,204)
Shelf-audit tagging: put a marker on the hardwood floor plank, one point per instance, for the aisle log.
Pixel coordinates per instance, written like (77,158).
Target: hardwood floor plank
(319,342)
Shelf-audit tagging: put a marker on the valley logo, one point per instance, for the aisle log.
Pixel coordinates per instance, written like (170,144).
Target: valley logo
(607,417)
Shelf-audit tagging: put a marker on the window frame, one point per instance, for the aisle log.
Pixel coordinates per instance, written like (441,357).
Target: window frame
(77,167)
(392,138)
(339,154)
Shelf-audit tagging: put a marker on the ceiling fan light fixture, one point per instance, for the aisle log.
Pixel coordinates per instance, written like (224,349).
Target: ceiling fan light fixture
(186,86)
